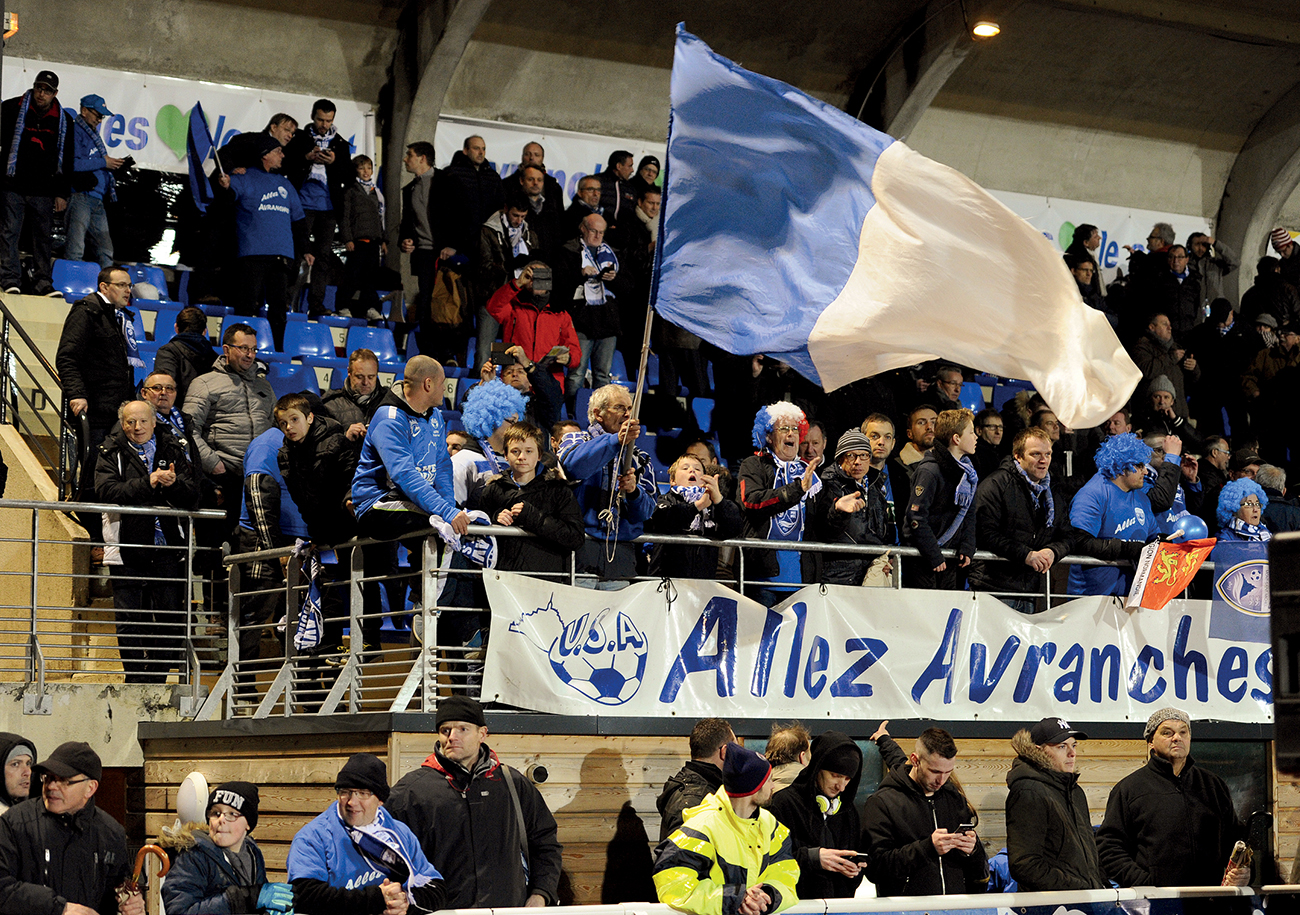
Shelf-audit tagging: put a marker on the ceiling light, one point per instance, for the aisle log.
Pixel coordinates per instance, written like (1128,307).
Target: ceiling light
(985,29)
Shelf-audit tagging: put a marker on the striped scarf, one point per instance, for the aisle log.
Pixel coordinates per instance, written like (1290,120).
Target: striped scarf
(372,188)
(14,143)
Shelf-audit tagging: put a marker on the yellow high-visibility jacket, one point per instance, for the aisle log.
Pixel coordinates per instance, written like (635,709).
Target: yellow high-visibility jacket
(706,866)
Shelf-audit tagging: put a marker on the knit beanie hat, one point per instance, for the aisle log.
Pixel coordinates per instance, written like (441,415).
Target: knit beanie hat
(240,795)
(459,708)
(1160,383)
(364,771)
(845,760)
(853,440)
(744,772)
(1160,716)
(1280,239)
(265,144)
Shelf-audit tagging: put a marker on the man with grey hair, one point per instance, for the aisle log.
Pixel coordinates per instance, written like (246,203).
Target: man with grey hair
(1170,823)
(616,486)
(1282,513)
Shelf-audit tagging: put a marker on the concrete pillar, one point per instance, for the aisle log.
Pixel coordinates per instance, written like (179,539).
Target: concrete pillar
(1263,176)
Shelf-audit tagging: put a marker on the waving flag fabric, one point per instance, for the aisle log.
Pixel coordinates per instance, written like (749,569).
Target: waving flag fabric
(199,145)
(794,230)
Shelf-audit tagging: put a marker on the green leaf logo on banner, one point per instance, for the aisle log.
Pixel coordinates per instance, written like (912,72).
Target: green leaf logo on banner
(1066,238)
(172,125)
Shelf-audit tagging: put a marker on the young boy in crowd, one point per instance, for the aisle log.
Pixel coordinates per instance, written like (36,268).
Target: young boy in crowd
(694,504)
(940,514)
(529,497)
(362,232)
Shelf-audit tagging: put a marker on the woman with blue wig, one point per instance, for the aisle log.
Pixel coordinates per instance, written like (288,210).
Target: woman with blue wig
(1241,510)
(1114,514)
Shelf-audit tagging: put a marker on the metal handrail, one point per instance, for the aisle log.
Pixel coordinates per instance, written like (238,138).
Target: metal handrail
(203,514)
(31,344)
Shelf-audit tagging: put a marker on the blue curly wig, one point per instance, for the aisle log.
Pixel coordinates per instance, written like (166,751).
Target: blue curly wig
(767,417)
(1233,493)
(1120,454)
(489,405)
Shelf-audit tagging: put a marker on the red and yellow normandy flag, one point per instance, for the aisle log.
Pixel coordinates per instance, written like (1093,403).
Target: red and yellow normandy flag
(1164,571)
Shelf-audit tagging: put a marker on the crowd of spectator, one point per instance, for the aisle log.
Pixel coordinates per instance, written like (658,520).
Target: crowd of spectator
(551,291)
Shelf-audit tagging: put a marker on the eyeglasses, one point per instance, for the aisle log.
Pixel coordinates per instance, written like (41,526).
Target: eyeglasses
(159,388)
(360,794)
(992,427)
(785,429)
(1250,503)
(59,782)
(228,815)
(119,285)
(248,350)
(856,456)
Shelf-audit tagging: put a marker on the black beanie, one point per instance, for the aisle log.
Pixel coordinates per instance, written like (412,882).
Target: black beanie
(459,708)
(240,795)
(362,770)
(845,760)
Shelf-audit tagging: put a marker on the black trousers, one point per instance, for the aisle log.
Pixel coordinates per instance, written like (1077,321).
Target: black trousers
(150,616)
(361,275)
(320,225)
(19,208)
(265,279)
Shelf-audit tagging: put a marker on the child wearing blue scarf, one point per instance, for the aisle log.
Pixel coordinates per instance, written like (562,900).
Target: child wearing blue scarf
(939,512)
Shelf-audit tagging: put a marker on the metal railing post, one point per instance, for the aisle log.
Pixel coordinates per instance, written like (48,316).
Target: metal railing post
(35,700)
(189,705)
(5,361)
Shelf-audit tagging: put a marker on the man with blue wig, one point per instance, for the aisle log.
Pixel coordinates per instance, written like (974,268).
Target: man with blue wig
(1114,514)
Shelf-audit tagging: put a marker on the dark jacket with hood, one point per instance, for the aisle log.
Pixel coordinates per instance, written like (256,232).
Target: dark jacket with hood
(811,830)
(696,781)
(1050,844)
(932,508)
(347,407)
(550,513)
(1009,521)
(48,860)
(897,823)
(339,174)
(91,359)
(1163,829)
(870,525)
(185,357)
(318,472)
(202,881)
(469,829)
(675,515)
(7,743)
(482,189)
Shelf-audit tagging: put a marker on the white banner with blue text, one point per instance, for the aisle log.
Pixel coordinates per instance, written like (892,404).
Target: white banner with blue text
(698,649)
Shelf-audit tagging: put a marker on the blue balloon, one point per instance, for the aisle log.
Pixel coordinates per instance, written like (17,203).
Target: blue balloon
(1193,528)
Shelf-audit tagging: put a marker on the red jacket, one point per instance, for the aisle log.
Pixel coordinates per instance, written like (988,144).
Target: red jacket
(536,330)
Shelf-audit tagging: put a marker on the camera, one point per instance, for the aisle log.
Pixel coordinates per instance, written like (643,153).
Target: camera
(542,280)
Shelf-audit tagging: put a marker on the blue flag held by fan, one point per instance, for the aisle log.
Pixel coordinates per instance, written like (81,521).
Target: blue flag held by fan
(199,145)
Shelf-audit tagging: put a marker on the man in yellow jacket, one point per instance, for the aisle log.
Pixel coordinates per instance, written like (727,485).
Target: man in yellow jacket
(714,863)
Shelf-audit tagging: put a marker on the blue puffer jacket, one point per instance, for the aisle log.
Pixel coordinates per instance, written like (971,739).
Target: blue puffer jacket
(203,882)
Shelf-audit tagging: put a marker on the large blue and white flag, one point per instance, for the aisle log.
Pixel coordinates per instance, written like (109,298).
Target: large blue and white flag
(794,230)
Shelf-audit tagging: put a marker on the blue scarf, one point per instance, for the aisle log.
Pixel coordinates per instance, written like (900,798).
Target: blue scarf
(1256,532)
(692,494)
(963,499)
(84,125)
(1042,493)
(788,525)
(12,166)
(126,320)
(491,457)
(372,188)
(147,452)
(382,847)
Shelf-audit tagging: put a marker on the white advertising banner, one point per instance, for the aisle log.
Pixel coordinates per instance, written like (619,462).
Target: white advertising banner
(842,652)
(151,114)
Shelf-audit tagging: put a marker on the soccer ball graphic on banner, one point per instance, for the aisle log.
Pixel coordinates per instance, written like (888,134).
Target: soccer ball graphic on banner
(602,655)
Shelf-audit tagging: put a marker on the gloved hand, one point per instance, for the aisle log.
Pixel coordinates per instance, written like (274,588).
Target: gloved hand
(275,897)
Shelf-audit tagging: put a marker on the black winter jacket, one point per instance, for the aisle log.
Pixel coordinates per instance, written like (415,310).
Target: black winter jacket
(1011,523)
(1050,844)
(203,882)
(446,212)
(91,359)
(692,784)
(932,507)
(468,828)
(870,525)
(48,860)
(592,321)
(811,831)
(550,512)
(1163,829)
(345,407)
(122,479)
(318,472)
(674,515)
(184,357)
(339,174)
(897,823)
(760,502)
(39,172)
(483,192)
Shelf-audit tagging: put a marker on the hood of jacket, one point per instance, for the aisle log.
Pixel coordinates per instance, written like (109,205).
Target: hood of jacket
(1033,763)
(694,773)
(824,745)
(7,742)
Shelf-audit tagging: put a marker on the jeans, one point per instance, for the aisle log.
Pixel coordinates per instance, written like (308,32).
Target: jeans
(41,210)
(87,218)
(599,354)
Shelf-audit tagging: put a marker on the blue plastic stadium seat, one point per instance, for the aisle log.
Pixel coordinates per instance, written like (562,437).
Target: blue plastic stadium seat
(75,279)
(618,368)
(306,340)
(154,276)
(183,287)
(972,396)
(1007,390)
(286,378)
(702,407)
(652,370)
(164,322)
(265,340)
(378,339)
(584,398)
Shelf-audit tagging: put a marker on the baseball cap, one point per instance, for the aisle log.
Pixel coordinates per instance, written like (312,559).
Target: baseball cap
(49,78)
(1051,731)
(72,758)
(96,104)
(1243,458)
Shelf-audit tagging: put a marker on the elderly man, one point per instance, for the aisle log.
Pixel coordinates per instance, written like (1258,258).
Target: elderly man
(945,393)
(616,486)
(1158,354)
(699,777)
(93,184)
(1269,386)
(493,839)
(228,408)
(64,855)
(142,464)
(96,356)
(911,827)
(19,755)
(586,202)
(1050,844)
(37,142)
(731,855)
(587,272)
(159,390)
(850,509)
(353,405)
(356,857)
(1170,823)
(1020,517)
